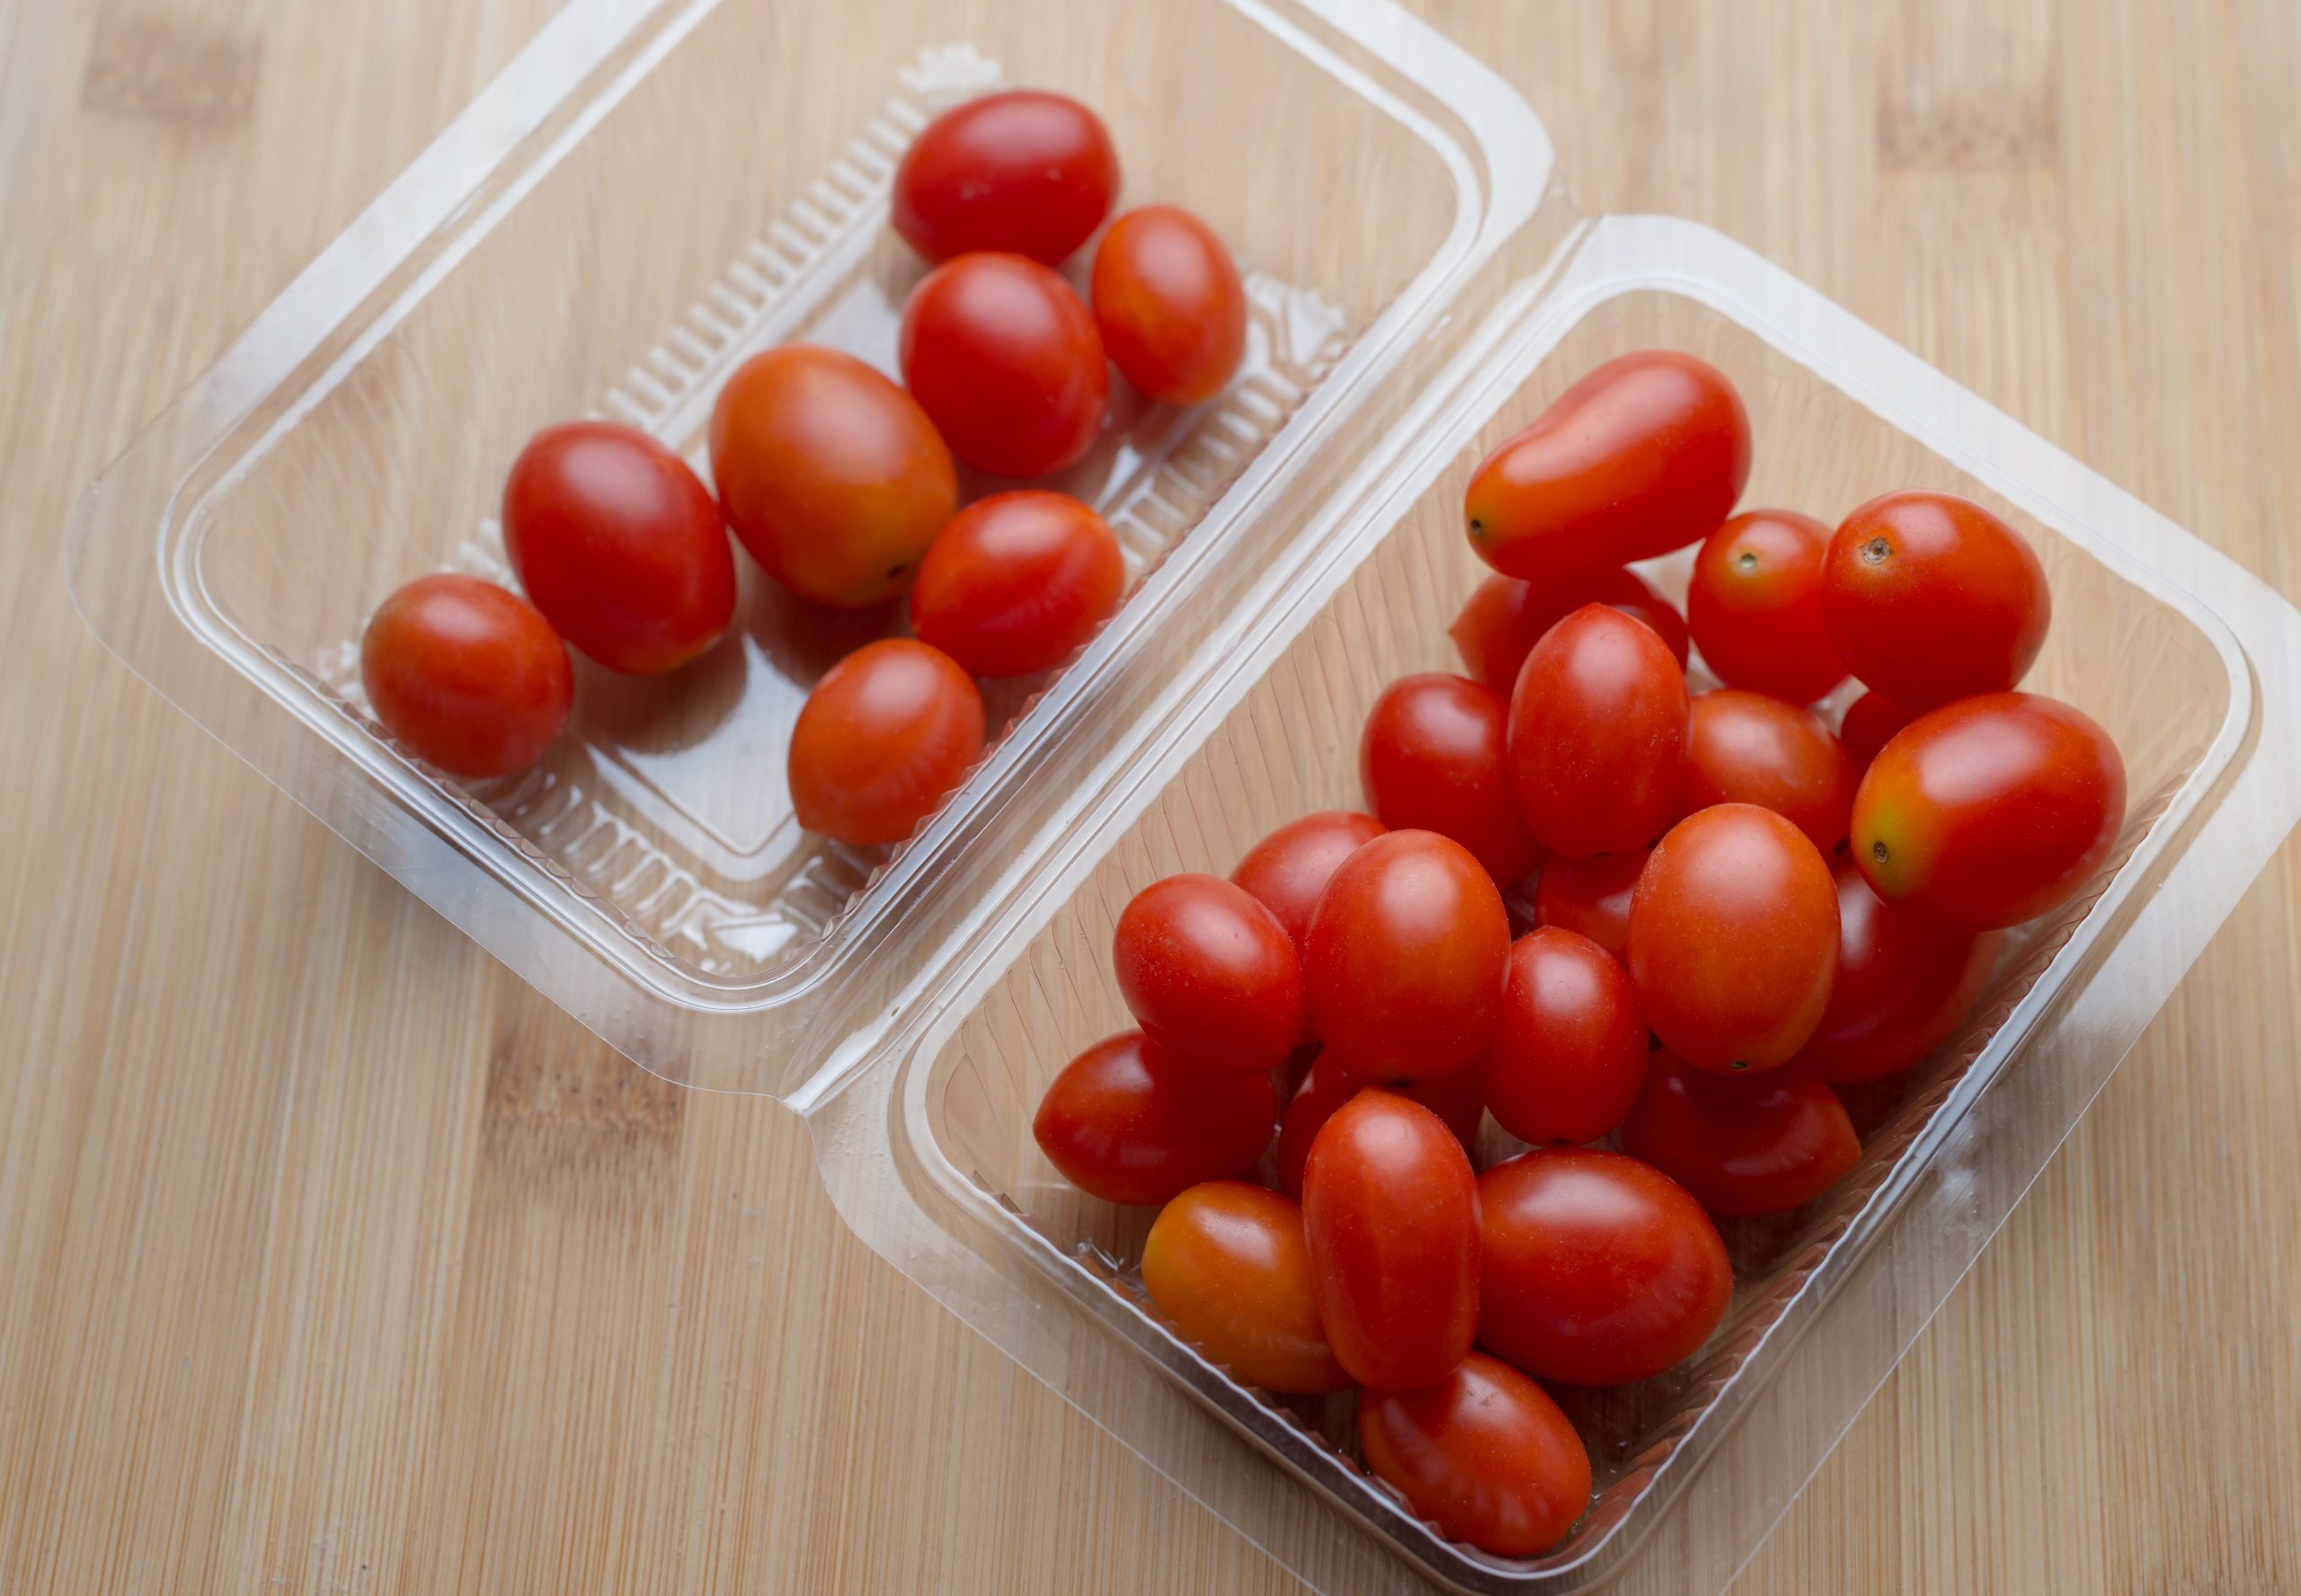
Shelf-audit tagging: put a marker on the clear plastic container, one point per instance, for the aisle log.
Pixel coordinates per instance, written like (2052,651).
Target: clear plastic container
(651,193)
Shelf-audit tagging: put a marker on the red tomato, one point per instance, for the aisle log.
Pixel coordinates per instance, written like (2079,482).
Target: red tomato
(1288,869)
(620,546)
(1904,982)
(1591,897)
(1754,605)
(1431,757)
(1211,973)
(1002,355)
(1170,304)
(1733,938)
(1455,1098)
(1407,956)
(1505,617)
(1127,1125)
(1598,735)
(831,476)
(883,738)
(1744,1147)
(1016,584)
(1644,455)
(1391,1209)
(1870,723)
(1597,1270)
(1024,170)
(471,678)
(1228,1263)
(1990,810)
(1930,598)
(1746,748)
(1564,1062)
(1484,1454)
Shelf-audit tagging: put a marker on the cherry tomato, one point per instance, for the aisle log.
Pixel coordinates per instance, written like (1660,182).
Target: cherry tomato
(1484,1454)
(1744,1147)
(1564,1062)
(1990,810)
(1016,584)
(1288,869)
(833,477)
(1870,723)
(1733,938)
(1228,1263)
(470,677)
(1904,982)
(1431,757)
(1455,1098)
(620,546)
(1754,605)
(1598,735)
(1930,598)
(1642,455)
(1170,304)
(1408,953)
(1597,1270)
(1591,897)
(1002,355)
(1024,170)
(883,738)
(1505,617)
(1391,1209)
(1210,974)
(1746,748)
(1126,1124)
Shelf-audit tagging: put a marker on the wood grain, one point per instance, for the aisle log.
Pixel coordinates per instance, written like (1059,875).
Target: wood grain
(335,1259)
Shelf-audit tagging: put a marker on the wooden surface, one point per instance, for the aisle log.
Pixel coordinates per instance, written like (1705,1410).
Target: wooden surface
(333,1259)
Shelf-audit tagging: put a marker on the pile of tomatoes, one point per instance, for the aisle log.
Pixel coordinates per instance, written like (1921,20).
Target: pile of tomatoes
(1736,910)
(844,487)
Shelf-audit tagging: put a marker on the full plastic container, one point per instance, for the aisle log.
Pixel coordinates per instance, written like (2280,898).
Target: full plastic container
(653,191)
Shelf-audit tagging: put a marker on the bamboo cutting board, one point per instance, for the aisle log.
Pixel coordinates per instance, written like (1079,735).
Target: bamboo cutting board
(333,1259)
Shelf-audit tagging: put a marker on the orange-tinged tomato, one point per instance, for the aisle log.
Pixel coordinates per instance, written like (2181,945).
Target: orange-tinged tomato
(1564,1062)
(1005,358)
(1210,974)
(1755,606)
(1170,304)
(1591,896)
(1327,1085)
(1990,810)
(1733,938)
(470,677)
(1016,583)
(831,475)
(1407,955)
(1484,1454)
(886,734)
(1763,1145)
(1644,455)
(1746,748)
(1597,735)
(1503,617)
(1228,1263)
(1023,169)
(1597,1268)
(1930,598)
(1431,757)
(1391,1209)
(1126,1124)
(1904,982)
